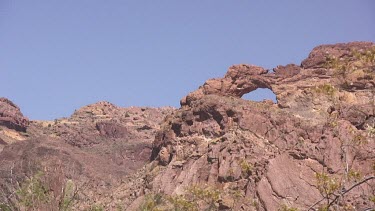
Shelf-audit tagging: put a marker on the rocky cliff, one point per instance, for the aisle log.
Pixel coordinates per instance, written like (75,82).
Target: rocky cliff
(312,150)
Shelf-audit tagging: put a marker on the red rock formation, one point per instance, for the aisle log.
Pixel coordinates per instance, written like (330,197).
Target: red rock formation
(11,116)
(97,148)
(271,154)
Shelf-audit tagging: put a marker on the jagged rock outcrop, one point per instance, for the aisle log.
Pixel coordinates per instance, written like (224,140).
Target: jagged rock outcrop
(95,150)
(318,56)
(265,156)
(11,116)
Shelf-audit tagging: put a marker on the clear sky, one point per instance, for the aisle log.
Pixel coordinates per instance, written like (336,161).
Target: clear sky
(56,56)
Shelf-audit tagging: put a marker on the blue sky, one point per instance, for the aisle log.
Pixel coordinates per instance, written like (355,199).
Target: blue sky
(56,56)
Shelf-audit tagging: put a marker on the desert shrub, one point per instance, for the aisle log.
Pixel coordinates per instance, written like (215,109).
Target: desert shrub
(332,62)
(361,58)
(151,202)
(196,197)
(372,198)
(96,207)
(370,130)
(33,192)
(354,175)
(246,167)
(323,208)
(208,194)
(285,207)
(181,203)
(5,207)
(326,89)
(363,61)
(365,56)
(68,197)
(327,185)
(193,200)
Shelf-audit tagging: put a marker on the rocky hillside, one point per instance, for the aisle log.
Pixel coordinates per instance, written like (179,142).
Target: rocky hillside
(312,150)
(92,152)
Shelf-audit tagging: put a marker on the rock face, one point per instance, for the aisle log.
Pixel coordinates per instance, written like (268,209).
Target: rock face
(11,116)
(312,150)
(297,153)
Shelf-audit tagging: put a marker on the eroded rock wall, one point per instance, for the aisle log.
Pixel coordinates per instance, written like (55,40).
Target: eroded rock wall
(274,155)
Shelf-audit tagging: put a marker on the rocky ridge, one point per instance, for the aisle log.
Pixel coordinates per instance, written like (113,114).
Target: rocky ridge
(11,116)
(312,150)
(95,149)
(300,153)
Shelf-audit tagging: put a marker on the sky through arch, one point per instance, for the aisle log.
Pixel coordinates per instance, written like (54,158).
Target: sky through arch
(260,94)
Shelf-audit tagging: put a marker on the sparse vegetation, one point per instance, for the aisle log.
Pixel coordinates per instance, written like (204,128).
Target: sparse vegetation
(69,196)
(255,204)
(370,130)
(357,64)
(209,195)
(181,203)
(246,167)
(327,184)
(366,56)
(354,175)
(287,208)
(193,200)
(96,207)
(151,202)
(33,192)
(334,187)
(372,198)
(355,60)
(5,207)
(326,89)
(323,208)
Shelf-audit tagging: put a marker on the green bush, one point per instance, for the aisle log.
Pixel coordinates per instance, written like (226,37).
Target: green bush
(326,89)
(5,207)
(327,185)
(96,207)
(193,200)
(152,202)
(246,167)
(33,192)
(68,197)
(287,208)
(181,203)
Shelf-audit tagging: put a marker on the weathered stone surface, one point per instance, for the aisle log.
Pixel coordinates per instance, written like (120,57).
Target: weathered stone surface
(287,71)
(2,142)
(319,54)
(111,129)
(290,180)
(11,116)
(97,148)
(318,126)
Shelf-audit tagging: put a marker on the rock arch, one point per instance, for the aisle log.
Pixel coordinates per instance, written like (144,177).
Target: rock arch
(239,80)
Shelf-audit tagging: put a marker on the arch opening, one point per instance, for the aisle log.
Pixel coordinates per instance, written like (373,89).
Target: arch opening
(260,94)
